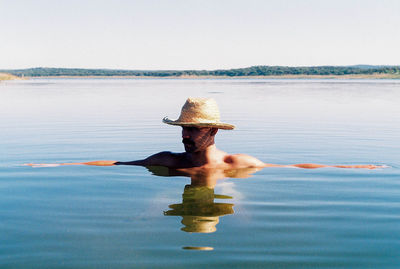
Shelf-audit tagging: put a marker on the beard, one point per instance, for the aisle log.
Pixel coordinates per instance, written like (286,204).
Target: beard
(190,145)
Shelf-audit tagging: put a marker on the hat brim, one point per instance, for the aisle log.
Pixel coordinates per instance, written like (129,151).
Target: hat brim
(219,125)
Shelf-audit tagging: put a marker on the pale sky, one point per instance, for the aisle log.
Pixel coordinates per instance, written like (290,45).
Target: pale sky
(203,34)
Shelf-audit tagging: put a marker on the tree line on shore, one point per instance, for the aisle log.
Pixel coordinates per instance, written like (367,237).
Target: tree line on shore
(238,72)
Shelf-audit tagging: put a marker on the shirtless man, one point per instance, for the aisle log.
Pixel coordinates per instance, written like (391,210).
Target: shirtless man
(200,122)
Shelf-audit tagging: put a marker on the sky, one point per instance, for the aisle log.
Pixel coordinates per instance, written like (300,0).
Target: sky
(203,34)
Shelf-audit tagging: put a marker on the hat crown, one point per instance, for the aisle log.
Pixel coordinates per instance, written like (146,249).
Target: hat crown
(201,110)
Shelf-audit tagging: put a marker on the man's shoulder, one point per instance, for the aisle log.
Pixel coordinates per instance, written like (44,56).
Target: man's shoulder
(165,158)
(168,154)
(243,161)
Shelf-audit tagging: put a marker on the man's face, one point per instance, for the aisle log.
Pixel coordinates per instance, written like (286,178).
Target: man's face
(197,139)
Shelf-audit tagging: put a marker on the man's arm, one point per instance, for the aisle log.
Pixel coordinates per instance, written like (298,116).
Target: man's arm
(97,163)
(165,158)
(244,161)
(247,161)
(313,166)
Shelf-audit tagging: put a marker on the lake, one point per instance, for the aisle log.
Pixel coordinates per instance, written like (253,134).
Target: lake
(133,217)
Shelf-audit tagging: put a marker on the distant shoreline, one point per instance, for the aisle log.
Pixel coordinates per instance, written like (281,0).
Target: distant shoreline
(350,76)
(5,76)
(253,72)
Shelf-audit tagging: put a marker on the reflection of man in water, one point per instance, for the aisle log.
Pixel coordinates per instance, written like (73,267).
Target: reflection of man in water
(200,122)
(199,212)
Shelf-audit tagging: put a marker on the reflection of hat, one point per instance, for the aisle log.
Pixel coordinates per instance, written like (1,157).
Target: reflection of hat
(199,212)
(200,112)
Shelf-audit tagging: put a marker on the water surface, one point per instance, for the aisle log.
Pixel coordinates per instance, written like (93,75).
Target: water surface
(130,217)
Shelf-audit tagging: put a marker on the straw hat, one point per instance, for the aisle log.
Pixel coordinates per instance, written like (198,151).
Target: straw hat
(199,112)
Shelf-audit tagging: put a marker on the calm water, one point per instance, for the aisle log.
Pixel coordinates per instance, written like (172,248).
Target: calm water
(129,217)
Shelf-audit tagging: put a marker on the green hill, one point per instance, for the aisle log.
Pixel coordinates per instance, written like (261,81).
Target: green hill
(254,71)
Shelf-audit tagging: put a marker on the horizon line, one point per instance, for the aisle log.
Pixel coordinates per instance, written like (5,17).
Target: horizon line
(195,69)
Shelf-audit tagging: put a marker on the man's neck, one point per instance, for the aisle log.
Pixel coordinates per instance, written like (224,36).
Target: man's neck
(211,155)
